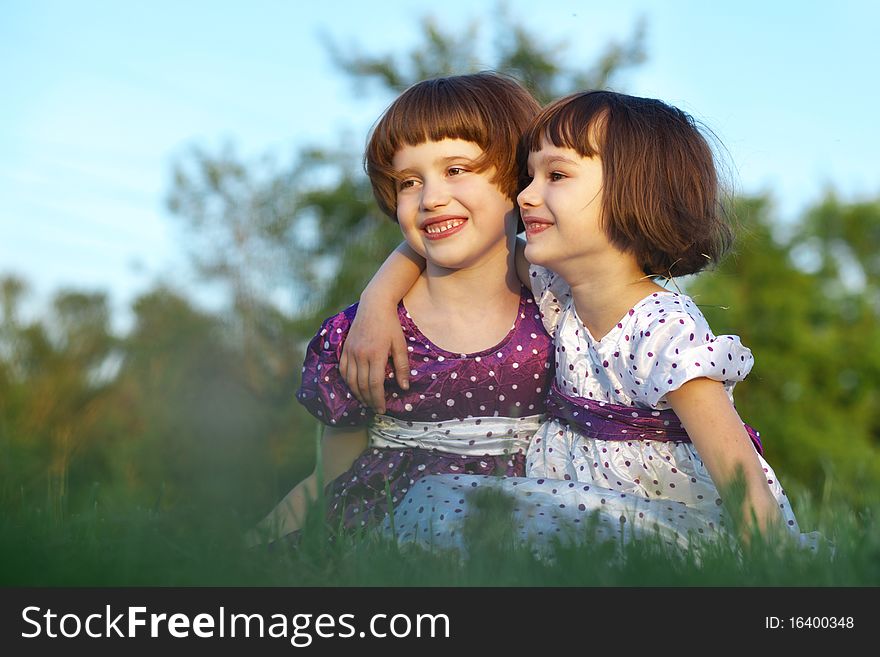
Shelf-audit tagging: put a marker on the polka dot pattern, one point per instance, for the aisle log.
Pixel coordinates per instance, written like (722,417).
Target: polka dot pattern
(617,383)
(358,497)
(546,511)
(506,380)
(503,381)
(659,344)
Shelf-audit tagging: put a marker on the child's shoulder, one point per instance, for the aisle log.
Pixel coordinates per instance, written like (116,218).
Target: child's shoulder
(323,391)
(670,310)
(670,343)
(343,317)
(340,323)
(667,322)
(334,329)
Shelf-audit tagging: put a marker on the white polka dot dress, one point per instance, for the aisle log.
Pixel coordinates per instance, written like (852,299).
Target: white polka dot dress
(583,489)
(661,343)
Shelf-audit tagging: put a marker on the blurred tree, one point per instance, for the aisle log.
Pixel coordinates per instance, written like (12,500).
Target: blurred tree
(313,230)
(53,391)
(517,52)
(806,305)
(205,433)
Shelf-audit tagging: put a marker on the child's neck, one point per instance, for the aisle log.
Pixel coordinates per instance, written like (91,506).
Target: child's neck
(460,290)
(466,310)
(604,289)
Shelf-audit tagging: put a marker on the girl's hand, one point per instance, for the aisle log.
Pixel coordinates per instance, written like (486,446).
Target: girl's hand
(375,333)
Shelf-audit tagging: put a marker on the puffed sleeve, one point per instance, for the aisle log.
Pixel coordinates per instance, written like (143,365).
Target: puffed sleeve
(677,346)
(323,392)
(551,294)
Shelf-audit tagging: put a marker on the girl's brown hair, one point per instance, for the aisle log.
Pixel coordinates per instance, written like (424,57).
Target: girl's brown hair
(661,194)
(488,109)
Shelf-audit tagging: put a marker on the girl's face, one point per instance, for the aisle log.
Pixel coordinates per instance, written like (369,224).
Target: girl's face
(449,213)
(561,207)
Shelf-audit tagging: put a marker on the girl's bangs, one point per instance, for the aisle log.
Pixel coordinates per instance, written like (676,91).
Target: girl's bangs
(576,122)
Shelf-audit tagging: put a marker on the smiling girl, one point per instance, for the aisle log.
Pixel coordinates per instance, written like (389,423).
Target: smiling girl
(442,164)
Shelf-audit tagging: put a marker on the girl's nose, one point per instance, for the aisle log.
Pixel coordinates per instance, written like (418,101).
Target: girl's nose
(528,197)
(434,194)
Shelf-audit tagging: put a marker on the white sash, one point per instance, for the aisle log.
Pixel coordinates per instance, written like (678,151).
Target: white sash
(475,436)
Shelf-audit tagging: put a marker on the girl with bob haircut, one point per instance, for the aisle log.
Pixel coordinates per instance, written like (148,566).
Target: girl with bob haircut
(620,192)
(442,163)
(484,108)
(660,195)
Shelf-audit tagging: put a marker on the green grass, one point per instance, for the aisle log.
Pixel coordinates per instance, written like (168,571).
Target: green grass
(189,546)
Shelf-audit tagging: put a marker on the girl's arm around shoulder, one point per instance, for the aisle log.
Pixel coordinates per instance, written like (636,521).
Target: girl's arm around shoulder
(339,449)
(720,439)
(375,332)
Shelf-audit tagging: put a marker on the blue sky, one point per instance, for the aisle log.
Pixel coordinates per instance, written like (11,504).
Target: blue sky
(99,98)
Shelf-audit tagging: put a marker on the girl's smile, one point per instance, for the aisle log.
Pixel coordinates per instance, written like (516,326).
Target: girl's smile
(438,228)
(535,225)
(450,211)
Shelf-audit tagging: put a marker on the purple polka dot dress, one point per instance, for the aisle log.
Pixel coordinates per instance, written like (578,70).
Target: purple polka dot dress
(463,413)
(638,479)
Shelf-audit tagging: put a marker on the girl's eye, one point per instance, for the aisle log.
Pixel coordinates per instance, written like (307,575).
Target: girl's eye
(455,171)
(406,184)
(556,176)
